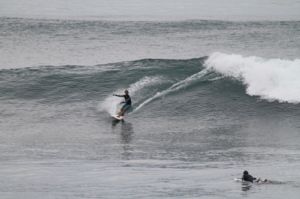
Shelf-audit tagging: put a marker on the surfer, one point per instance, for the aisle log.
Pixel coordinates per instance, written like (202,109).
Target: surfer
(126,102)
(249,178)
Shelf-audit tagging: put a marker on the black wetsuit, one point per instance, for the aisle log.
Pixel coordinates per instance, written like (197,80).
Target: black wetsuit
(248,177)
(127,99)
(127,102)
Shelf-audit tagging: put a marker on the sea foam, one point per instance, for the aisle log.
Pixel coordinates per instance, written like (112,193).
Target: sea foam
(270,79)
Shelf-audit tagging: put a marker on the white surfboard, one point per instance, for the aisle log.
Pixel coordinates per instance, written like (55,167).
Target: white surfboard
(238,179)
(118,117)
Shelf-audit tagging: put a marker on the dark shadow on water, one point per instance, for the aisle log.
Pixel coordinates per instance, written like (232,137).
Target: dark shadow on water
(126,134)
(126,139)
(115,122)
(246,186)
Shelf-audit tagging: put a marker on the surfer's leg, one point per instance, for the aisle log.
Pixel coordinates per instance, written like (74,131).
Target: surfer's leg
(120,113)
(124,109)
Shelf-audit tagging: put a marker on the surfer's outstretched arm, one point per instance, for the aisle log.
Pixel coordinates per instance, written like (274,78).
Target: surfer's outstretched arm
(118,95)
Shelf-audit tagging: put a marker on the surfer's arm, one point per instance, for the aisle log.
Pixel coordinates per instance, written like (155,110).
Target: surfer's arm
(118,95)
(253,179)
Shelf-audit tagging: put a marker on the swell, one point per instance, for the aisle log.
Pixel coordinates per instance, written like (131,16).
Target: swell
(149,80)
(75,83)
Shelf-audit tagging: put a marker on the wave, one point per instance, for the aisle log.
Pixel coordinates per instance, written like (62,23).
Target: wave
(212,78)
(269,79)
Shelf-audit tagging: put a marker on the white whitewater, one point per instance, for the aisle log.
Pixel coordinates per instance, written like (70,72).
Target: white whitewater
(270,79)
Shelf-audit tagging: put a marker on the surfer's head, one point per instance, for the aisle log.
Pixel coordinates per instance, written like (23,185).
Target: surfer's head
(245,172)
(126,92)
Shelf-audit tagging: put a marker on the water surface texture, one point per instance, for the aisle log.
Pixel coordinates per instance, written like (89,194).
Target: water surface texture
(211,98)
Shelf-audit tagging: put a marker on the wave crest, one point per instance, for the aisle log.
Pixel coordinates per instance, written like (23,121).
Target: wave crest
(270,79)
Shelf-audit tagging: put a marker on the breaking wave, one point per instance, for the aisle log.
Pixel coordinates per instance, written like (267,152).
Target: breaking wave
(214,78)
(270,79)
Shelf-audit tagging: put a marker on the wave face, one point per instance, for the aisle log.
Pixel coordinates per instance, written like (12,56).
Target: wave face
(161,86)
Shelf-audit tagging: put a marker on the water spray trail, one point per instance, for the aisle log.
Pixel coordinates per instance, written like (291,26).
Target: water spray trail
(174,87)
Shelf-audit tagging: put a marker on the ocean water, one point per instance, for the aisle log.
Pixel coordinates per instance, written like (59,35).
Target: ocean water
(211,98)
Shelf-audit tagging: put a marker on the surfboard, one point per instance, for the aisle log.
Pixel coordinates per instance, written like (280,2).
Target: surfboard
(118,117)
(238,179)
(255,181)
